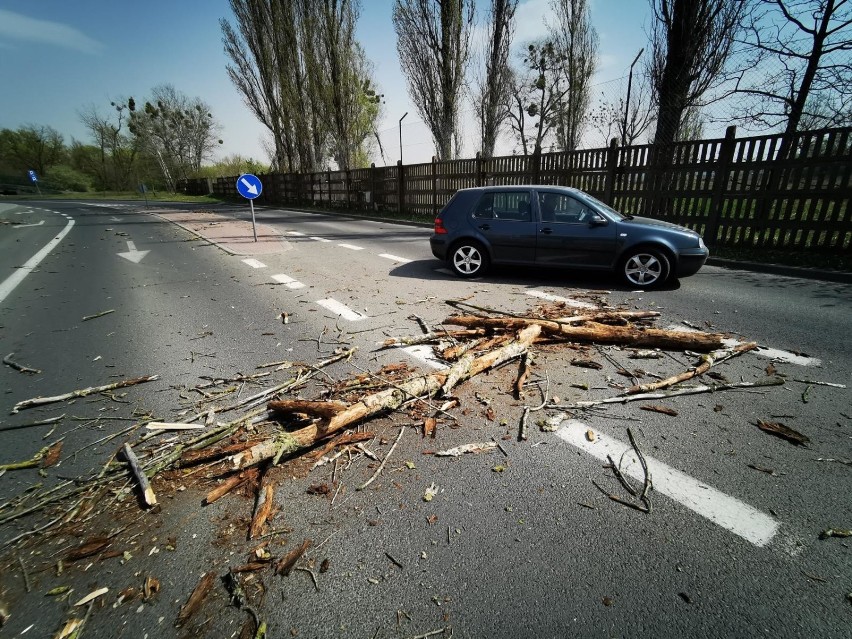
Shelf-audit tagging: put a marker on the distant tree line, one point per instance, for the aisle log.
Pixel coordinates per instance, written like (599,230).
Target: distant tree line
(166,138)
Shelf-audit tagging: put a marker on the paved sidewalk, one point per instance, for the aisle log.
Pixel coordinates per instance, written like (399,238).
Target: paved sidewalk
(232,236)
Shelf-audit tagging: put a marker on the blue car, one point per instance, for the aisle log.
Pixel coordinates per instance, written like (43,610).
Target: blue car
(555,226)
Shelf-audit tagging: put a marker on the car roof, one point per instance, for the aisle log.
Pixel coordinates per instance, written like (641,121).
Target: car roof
(522,187)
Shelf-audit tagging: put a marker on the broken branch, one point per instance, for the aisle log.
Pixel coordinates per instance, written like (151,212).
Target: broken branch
(83,392)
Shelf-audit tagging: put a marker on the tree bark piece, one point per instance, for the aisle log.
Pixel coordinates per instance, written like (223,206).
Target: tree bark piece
(141,478)
(707,361)
(263,508)
(285,566)
(602,333)
(83,392)
(230,484)
(195,600)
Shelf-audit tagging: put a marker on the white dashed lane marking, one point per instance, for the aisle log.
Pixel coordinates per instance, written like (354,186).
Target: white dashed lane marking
(288,281)
(425,354)
(395,258)
(254,263)
(728,512)
(319,239)
(294,234)
(557,298)
(764,351)
(352,247)
(341,309)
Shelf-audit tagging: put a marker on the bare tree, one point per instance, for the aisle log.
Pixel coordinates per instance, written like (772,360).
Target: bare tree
(433,42)
(493,89)
(114,161)
(576,43)
(801,49)
(537,95)
(691,41)
(628,122)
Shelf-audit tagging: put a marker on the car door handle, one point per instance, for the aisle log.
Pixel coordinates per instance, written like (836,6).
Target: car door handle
(547,231)
(484,227)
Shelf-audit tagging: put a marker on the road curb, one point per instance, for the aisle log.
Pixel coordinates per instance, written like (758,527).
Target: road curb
(781,269)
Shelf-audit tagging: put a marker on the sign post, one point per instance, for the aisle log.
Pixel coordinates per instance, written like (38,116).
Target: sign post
(144,191)
(34,178)
(249,187)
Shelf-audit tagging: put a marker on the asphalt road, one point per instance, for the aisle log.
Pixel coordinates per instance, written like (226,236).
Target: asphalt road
(514,544)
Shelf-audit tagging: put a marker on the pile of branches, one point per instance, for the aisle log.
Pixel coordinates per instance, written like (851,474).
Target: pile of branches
(275,424)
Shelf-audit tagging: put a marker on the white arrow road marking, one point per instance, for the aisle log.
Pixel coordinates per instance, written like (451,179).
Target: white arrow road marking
(254,263)
(341,309)
(18,276)
(352,247)
(251,188)
(115,219)
(288,281)
(132,254)
(395,258)
(20,226)
(726,511)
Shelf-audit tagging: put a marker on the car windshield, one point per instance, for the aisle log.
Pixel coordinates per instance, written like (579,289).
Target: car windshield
(606,207)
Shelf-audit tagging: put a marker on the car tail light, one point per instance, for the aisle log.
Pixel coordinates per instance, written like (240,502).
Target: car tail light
(439,227)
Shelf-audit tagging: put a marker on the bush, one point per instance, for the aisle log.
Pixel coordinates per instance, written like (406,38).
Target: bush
(64,178)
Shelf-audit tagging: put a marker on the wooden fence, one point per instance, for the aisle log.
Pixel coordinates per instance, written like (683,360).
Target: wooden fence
(735,191)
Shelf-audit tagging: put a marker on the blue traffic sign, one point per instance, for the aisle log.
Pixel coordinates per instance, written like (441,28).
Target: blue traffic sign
(33,176)
(249,186)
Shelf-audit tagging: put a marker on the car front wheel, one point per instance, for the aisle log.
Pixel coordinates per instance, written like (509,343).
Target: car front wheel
(645,267)
(469,259)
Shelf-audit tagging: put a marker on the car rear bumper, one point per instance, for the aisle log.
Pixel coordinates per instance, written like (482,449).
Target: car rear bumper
(439,247)
(690,261)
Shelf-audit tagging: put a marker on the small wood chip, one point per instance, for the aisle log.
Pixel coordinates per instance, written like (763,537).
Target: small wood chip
(656,408)
(205,584)
(784,432)
(92,596)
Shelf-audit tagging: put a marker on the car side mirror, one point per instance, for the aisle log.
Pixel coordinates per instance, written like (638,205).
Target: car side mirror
(597,220)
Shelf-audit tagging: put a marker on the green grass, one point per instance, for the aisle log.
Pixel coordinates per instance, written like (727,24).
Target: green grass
(130,196)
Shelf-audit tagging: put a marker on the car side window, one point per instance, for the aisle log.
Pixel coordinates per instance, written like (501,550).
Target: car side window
(513,206)
(564,209)
(485,208)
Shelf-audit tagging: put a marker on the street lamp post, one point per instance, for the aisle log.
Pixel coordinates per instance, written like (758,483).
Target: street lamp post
(627,102)
(400,136)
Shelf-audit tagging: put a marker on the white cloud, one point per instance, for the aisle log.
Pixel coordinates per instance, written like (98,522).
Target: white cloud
(531,21)
(19,27)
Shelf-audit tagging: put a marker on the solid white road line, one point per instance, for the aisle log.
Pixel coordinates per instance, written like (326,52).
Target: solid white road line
(728,512)
(557,298)
(341,309)
(319,239)
(18,276)
(395,258)
(288,281)
(352,247)
(254,263)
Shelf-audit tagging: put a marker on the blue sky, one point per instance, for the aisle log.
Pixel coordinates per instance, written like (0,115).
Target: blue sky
(58,57)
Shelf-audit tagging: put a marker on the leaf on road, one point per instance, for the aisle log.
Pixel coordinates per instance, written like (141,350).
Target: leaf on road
(431,491)
(835,532)
(784,432)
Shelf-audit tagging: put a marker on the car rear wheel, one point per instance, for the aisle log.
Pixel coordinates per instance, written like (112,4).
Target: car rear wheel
(645,267)
(469,259)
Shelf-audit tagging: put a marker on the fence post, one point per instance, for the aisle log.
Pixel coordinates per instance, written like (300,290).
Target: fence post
(434,185)
(535,165)
(611,169)
(400,187)
(720,184)
(372,203)
(328,185)
(478,168)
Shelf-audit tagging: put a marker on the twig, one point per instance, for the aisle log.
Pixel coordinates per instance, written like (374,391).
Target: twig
(40,401)
(96,315)
(19,367)
(42,422)
(431,633)
(810,381)
(312,574)
(147,492)
(27,584)
(384,461)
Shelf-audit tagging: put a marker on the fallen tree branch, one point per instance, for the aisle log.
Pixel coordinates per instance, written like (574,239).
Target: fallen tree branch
(386,400)
(602,333)
(19,367)
(263,508)
(147,492)
(384,461)
(230,484)
(83,392)
(623,399)
(707,361)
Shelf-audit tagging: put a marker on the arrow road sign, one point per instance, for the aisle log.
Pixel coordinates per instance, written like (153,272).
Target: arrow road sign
(132,254)
(249,186)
